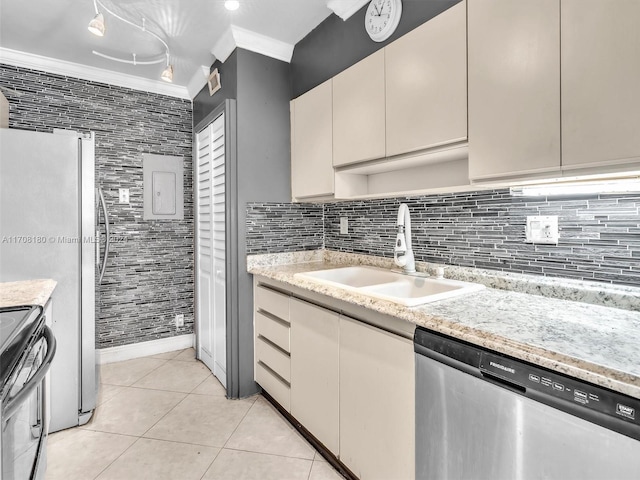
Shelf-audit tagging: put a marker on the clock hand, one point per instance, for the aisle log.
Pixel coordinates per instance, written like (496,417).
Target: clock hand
(379,11)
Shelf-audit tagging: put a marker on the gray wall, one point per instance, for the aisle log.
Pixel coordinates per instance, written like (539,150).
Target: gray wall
(149,276)
(259,172)
(335,44)
(204,104)
(599,234)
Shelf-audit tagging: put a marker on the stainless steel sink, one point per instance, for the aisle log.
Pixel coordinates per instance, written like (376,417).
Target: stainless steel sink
(399,288)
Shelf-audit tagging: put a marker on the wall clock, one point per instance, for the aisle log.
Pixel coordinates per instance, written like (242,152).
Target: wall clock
(382,18)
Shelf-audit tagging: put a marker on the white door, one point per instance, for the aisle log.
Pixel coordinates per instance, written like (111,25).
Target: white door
(210,247)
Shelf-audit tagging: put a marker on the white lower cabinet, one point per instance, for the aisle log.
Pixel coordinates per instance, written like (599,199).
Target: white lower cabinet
(350,384)
(315,336)
(377,402)
(272,367)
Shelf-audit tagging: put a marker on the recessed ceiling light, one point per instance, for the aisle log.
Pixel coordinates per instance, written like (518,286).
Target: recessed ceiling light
(232,4)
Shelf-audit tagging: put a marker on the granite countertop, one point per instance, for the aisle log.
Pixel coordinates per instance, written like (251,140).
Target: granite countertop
(596,343)
(27,292)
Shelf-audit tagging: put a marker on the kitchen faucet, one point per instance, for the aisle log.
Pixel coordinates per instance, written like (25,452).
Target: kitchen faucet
(402,253)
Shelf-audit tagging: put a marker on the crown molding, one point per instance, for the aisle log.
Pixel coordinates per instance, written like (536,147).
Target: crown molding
(198,81)
(70,69)
(345,8)
(240,37)
(225,46)
(262,44)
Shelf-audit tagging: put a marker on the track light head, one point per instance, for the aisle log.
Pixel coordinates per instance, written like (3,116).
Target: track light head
(167,74)
(96,26)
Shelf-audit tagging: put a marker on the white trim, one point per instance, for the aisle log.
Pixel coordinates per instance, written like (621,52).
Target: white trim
(198,81)
(144,349)
(70,69)
(345,8)
(225,45)
(262,44)
(241,37)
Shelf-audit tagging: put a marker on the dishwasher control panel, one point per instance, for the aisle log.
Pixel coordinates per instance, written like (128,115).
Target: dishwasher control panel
(530,378)
(598,405)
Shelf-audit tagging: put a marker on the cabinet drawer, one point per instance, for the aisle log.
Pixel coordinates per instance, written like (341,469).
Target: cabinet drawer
(275,359)
(274,386)
(273,302)
(275,330)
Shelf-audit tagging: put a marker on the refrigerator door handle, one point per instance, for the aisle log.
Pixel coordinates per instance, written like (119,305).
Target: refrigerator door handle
(106,234)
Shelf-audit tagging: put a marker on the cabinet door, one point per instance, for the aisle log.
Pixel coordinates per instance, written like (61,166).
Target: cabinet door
(600,82)
(359,112)
(514,87)
(314,371)
(377,402)
(426,84)
(311,143)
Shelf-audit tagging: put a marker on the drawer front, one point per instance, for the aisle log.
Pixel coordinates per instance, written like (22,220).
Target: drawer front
(275,359)
(274,330)
(275,303)
(274,386)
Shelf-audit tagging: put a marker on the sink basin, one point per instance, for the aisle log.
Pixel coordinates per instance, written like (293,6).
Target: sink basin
(352,276)
(387,285)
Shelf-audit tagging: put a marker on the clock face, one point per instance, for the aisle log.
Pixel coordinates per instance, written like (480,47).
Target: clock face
(382,18)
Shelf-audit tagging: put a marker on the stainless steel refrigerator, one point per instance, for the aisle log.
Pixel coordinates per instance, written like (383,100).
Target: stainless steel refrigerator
(47,228)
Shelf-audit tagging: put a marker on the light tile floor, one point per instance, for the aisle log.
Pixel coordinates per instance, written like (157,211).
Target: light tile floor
(166,417)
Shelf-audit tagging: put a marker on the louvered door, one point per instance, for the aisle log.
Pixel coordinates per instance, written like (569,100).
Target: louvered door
(210,247)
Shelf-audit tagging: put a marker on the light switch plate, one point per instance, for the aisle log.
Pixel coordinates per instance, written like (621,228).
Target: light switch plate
(344,225)
(123,195)
(542,229)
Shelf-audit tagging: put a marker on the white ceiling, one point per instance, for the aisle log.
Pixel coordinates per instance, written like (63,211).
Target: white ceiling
(53,34)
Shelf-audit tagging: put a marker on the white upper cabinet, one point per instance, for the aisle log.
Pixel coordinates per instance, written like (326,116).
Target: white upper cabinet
(426,84)
(312,144)
(514,87)
(359,112)
(600,82)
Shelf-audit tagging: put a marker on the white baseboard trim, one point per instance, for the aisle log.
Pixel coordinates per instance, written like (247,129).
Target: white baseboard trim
(144,349)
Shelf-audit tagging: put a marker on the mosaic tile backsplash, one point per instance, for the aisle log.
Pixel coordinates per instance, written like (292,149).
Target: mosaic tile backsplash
(284,227)
(149,276)
(599,234)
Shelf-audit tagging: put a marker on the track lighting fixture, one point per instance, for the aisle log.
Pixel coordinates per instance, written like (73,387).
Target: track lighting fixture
(97,27)
(167,74)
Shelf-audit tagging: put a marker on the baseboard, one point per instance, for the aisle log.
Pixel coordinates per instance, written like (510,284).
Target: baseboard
(144,349)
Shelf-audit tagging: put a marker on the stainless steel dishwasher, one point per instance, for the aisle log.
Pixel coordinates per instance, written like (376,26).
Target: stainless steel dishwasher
(482,415)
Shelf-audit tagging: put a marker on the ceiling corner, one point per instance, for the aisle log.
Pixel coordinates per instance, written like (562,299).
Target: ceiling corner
(345,8)
(262,44)
(198,80)
(225,45)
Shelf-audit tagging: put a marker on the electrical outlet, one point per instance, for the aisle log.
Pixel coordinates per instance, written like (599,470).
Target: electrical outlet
(179,320)
(542,229)
(344,225)
(123,195)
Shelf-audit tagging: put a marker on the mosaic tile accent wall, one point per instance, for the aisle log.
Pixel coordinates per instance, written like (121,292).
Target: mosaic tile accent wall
(599,234)
(149,276)
(284,227)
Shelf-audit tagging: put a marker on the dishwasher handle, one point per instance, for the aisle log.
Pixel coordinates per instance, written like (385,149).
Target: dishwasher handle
(502,382)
